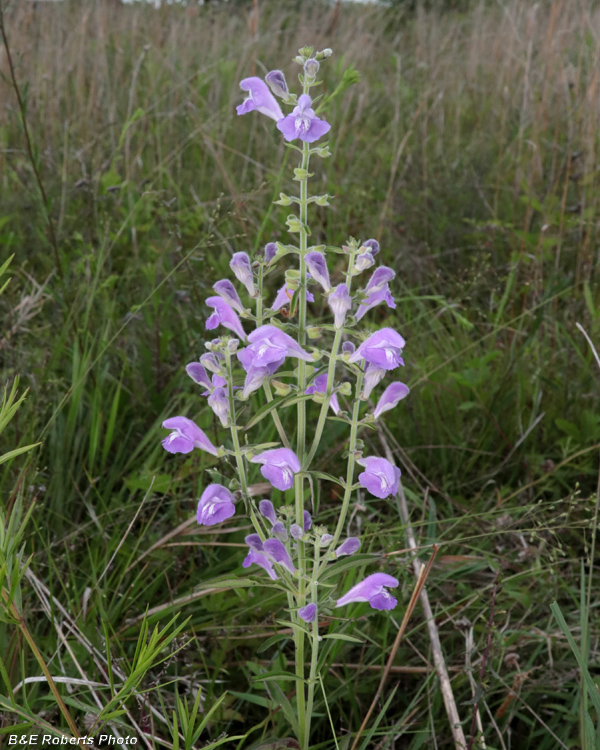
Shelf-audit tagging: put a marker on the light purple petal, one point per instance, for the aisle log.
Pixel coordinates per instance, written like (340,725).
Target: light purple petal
(259,98)
(380,279)
(317,265)
(199,375)
(279,466)
(219,403)
(306,520)
(254,541)
(375,299)
(215,505)
(370,590)
(227,291)
(308,613)
(277,83)
(349,547)
(260,559)
(242,268)
(303,123)
(390,398)
(185,437)
(382,348)
(226,316)
(270,251)
(380,478)
(373,376)
(364,261)
(267,510)
(296,531)
(340,302)
(279,531)
(275,549)
(373,246)
(319,385)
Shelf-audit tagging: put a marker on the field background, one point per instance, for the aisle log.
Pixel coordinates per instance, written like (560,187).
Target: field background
(470,148)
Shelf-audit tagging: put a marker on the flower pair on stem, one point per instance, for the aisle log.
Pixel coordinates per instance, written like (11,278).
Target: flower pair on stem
(340,377)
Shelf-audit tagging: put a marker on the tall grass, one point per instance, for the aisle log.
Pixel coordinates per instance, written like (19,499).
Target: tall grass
(469,148)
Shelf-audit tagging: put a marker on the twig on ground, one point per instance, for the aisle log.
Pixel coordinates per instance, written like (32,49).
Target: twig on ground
(458,735)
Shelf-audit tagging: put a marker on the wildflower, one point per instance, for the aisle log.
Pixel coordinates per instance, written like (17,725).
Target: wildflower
(256,556)
(372,246)
(215,505)
(279,466)
(348,347)
(383,349)
(349,547)
(255,377)
(279,531)
(284,297)
(224,315)
(326,540)
(212,362)
(267,510)
(364,261)
(340,302)
(373,376)
(270,251)
(311,68)
(242,268)
(199,375)
(296,531)
(227,291)
(317,265)
(308,613)
(219,403)
(372,590)
(259,98)
(377,290)
(277,84)
(275,549)
(185,437)
(303,123)
(380,478)
(320,386)
(307,521)
(392,395)
(269,345)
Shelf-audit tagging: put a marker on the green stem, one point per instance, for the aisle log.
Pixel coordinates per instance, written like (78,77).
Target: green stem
(312,680)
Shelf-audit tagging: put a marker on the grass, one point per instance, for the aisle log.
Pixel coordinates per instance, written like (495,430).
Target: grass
(469,148)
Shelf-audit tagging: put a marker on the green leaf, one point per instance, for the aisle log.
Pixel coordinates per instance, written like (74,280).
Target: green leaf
(281,699)
(328,478)
(277,676)
(17,452)
(342,637)
(275,404)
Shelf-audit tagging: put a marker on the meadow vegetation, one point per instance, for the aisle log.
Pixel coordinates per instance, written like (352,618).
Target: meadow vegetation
(468,145)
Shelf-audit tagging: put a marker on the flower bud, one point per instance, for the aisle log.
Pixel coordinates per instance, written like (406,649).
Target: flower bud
(296,531)
(299,59)
(326,540)
(267,510)
(348,347)
(210,362)
(372,246)
(279,531)
(277,83)
(340,302)
(270,251)
(311,68)
(325,53)
(232,345)
(240,265)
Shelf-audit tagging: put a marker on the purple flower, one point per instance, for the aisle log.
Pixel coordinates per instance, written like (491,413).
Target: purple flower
(279,466)
(269,345)
(372,245)
(374,299)
(270,251)
(349,547)
(311,67)
(254,541)
(212,362)
(259,98)
(326,540)
(185,437)
(279,531)
(303,123)
(259,558)
(277,84)
(364,261)
(340,302)
(224,315)
(380,279)
(372,590)
(348,347)
(383,349)
(255,377)
(296,531)
(227,291)
(380,478)
(306,520)
(219,403)
(215,505)
(308,613)
(199,375)
(267,510)
(377,291)
(320,386)
(278,553)
(284,297)
(392,395)
(317,265)
(242,268)
(373,376)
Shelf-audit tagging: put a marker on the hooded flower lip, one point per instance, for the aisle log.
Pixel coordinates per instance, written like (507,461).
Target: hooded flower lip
(255,377)
(215,505)
(340,302)
(296,531)
(373,246)
(185,436)
(224,315)
(270,251)
(276,550)
(225,289)
(380,478)
(320,386)
(317,265)
(242,268)
(259,98)
(199,375)
(372,590)
(373,376)
(269,346)
(382,349)
(303,123)
(211,362)
(284,297)
(277,83)
(219,403)
(308,613)
(363,262)
(306,521)
(390,398)
(267,511)
(279,466)
(259,558)
(349,547)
